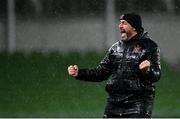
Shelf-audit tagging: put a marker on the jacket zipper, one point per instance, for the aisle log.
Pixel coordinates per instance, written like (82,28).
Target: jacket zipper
(123,59)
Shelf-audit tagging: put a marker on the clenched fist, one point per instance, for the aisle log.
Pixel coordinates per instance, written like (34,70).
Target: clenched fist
(145,66)
(73,70)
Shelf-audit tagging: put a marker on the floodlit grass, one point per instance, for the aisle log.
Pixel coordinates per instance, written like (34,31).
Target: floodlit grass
(37,85)
(168,93)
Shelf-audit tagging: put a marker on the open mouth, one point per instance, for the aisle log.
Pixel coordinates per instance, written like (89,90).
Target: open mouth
(122,31)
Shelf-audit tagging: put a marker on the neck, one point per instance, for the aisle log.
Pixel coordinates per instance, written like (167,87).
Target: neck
(132,35)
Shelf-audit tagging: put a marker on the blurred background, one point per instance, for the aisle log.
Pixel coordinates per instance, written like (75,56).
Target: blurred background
(40,38)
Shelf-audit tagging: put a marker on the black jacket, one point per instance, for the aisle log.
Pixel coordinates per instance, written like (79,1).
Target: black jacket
(121,63)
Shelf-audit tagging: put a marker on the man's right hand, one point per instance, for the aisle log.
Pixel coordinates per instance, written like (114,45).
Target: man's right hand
(73,70)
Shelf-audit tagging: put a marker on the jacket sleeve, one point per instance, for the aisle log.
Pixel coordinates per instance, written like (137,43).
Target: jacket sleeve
(154,73)
(100,73)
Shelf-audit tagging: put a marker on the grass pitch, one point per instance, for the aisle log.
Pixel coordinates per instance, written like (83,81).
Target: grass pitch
(37,85)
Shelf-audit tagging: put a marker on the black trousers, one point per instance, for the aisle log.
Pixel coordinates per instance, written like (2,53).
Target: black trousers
(140,109)
(127,116)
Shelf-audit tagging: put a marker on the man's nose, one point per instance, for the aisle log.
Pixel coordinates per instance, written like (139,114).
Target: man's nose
(120,25)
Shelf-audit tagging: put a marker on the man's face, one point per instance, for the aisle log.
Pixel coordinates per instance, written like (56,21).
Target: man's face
(126,30)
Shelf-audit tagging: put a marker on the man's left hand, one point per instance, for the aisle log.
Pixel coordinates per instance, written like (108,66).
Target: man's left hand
(145,66)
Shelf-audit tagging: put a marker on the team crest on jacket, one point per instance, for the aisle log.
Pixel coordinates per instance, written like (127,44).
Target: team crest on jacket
(137,49)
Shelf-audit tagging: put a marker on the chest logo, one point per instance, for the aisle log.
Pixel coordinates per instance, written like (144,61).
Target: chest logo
(137,49)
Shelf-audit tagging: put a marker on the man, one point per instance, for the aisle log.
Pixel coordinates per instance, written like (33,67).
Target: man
(133,65)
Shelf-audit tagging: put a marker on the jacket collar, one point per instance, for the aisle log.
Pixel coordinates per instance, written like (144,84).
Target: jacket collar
(142,35)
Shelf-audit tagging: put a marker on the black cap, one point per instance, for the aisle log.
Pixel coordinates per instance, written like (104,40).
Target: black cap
(133,19)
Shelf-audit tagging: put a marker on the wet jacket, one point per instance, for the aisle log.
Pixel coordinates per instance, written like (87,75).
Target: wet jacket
(127,83)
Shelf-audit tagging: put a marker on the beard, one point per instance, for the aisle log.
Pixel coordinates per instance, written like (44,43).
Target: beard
(124,36)
(127,34)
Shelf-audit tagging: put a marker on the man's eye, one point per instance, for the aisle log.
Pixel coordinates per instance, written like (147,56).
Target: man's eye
(123,22)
